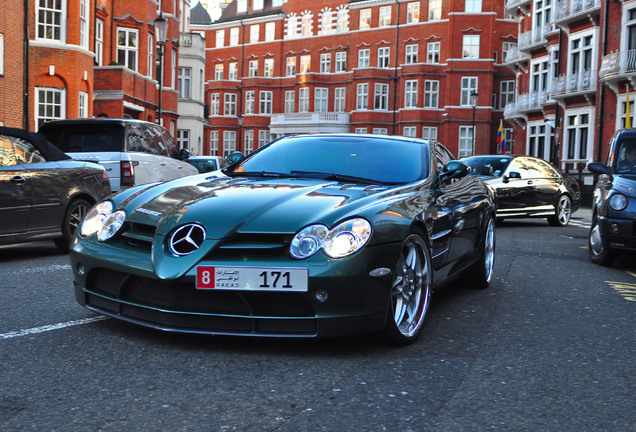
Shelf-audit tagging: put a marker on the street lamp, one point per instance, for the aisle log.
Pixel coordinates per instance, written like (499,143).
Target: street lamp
(240,126)
(473,103)
(161,32)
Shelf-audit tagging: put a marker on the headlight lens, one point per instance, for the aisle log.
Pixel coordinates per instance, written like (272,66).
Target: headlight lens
(111,225)
(618,202)
(345,239)
(95,218)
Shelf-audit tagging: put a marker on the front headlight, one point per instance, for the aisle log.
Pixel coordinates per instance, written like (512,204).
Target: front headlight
(618,202)
(111,225)
(344,239)
(95,218)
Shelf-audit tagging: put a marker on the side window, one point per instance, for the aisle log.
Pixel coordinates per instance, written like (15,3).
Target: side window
(15,151)
(517,166)
(7,155)
(171,146)
(136,140)
(153,137)
(442,154)
(159,140)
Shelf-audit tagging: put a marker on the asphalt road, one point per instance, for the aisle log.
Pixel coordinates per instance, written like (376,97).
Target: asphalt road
(550,346)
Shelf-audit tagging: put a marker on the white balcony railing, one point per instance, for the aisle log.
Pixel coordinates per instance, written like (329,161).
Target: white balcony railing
(310,118)
(581,82)
(571,8)
(618,63)
(536,36)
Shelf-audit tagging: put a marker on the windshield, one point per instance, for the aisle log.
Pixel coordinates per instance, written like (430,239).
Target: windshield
(626,160)
(85,137)
(369,159)
(487,165)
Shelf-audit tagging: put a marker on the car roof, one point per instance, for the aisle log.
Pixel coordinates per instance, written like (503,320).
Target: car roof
(48,150)
(98,120)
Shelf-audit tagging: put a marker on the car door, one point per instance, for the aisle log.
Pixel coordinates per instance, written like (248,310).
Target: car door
(546,182)
(15,190)
(515,192)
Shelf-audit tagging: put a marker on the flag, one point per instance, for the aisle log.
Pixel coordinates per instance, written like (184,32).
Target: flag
(501,139)
(628,115)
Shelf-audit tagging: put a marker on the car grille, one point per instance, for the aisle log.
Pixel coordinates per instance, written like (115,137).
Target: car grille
(139,235)
(251,245)
(181,307)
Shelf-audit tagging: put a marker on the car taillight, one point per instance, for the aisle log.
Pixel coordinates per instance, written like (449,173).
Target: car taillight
(104,175)
(127,173)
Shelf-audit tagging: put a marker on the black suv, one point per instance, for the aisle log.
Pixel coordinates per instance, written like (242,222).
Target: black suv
(614,208)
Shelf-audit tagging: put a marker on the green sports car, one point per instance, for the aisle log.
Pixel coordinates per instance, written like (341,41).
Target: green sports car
(315,235)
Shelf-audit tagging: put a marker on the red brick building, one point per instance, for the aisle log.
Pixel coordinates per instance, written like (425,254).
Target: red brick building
(86,58)
(279,67)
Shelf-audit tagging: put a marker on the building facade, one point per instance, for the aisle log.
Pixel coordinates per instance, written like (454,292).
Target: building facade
(573,66)
(399,67)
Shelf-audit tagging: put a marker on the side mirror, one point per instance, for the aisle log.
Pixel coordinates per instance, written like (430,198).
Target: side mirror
(511,175)
(454,169)
(234,157)
(598,168)
(184,154)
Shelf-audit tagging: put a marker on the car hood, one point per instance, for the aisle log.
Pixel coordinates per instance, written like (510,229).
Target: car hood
(225,206)
(625,184)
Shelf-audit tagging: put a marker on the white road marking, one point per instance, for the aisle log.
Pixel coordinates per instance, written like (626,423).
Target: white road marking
(58,326)
(46,268)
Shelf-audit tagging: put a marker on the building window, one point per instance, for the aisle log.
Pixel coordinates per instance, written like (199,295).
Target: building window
(413,12)
(183,138)
(249,141)
(49,105)
(434,10)
(381,97)
(150,65)
(268,68)
(578,135)
(173,75)
(127,46)
(537,140)
(229,143)
(321,99)
(508,49)
(266,100)
(327,22)
(290,101)
(539,76)
(470,48)
(340,99)
(214,142)
(229,104)
(365,19)
(185,82)
(429,133)
(465,142)
(233,71)
(580,62)
(380,131)
(432,52)
(214,104)
(82,110)
(218,72)
(325,63)
(342,24)
(241,6)
(383,57)
(257,5)
(303,99)
(83,16)
(362,96)
(621,118)
(252,68)
(341,61)
(254,33)
(410,54)
(360,130)
(385,16)
(290,69)
(409,131)
(99,45)
(506,93)
(307,21)
(270,31)
(305,63)
(263,137)
(49,20)
(473,6)
(234,36)
(249,102)
(431,94)
(469,84)
(292,27)
(410,94)
(364,56)
(220,38)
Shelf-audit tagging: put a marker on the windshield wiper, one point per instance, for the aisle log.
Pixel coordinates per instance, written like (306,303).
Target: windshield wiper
(258,174)
(334,176)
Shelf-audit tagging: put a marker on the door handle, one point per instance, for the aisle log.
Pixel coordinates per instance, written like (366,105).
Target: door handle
(19,180)
(529,182)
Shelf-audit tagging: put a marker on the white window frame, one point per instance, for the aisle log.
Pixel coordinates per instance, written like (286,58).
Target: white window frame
(468,85)
(290,66)
(268,68)
(538,139)
(410,94)
(434,10)
(150,65)
(130,52)
(82,104)
(214,143)
(255,33)
(229,104)
(263,137)
(303,99)
(384,56)
(218,72)
(248,145)
(431,94)
(321,99)
(413,12)
(385,16)
(380,131)
(362,96)
(84,15)
(183,138)
(381,97)
(506,93)
(341,61)
(340,99)
(249,102)
(229,142)
(325,63)
(326,25)
(232,72)
(470,47)
(364,58)
(621,110)
(290,101)
(411,53)
(234,36)
(270,31)
(578,124)
(220,38)
(266,101)
(465,141)
(365,19)
(185,82)
(252,68)
(433,52)
(472,6)
(342,20)
(99,45)
(306,24)
(360,130)
(50,104)
(215,104)
(409,131)
(429,132)
(53,27)
(305,63)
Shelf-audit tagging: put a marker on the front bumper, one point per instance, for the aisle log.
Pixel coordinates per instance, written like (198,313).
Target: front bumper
(119,284)
(619,232)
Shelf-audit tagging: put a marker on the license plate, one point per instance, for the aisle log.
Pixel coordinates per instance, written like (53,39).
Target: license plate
(252,279)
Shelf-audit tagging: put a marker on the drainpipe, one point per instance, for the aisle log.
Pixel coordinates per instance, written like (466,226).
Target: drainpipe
(601,88)
(397,59)
(25,78)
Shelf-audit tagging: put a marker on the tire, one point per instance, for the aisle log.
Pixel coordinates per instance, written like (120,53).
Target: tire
(75,212)
(480,274)
(410,291)
(562,212)
(598,246)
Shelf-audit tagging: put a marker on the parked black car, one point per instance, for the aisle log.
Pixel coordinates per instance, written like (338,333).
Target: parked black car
(614,207)
(44,194)
(527,186)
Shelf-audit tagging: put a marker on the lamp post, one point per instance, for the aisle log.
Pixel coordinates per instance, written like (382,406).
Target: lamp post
(161,33)
(240,126)
(473,103)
